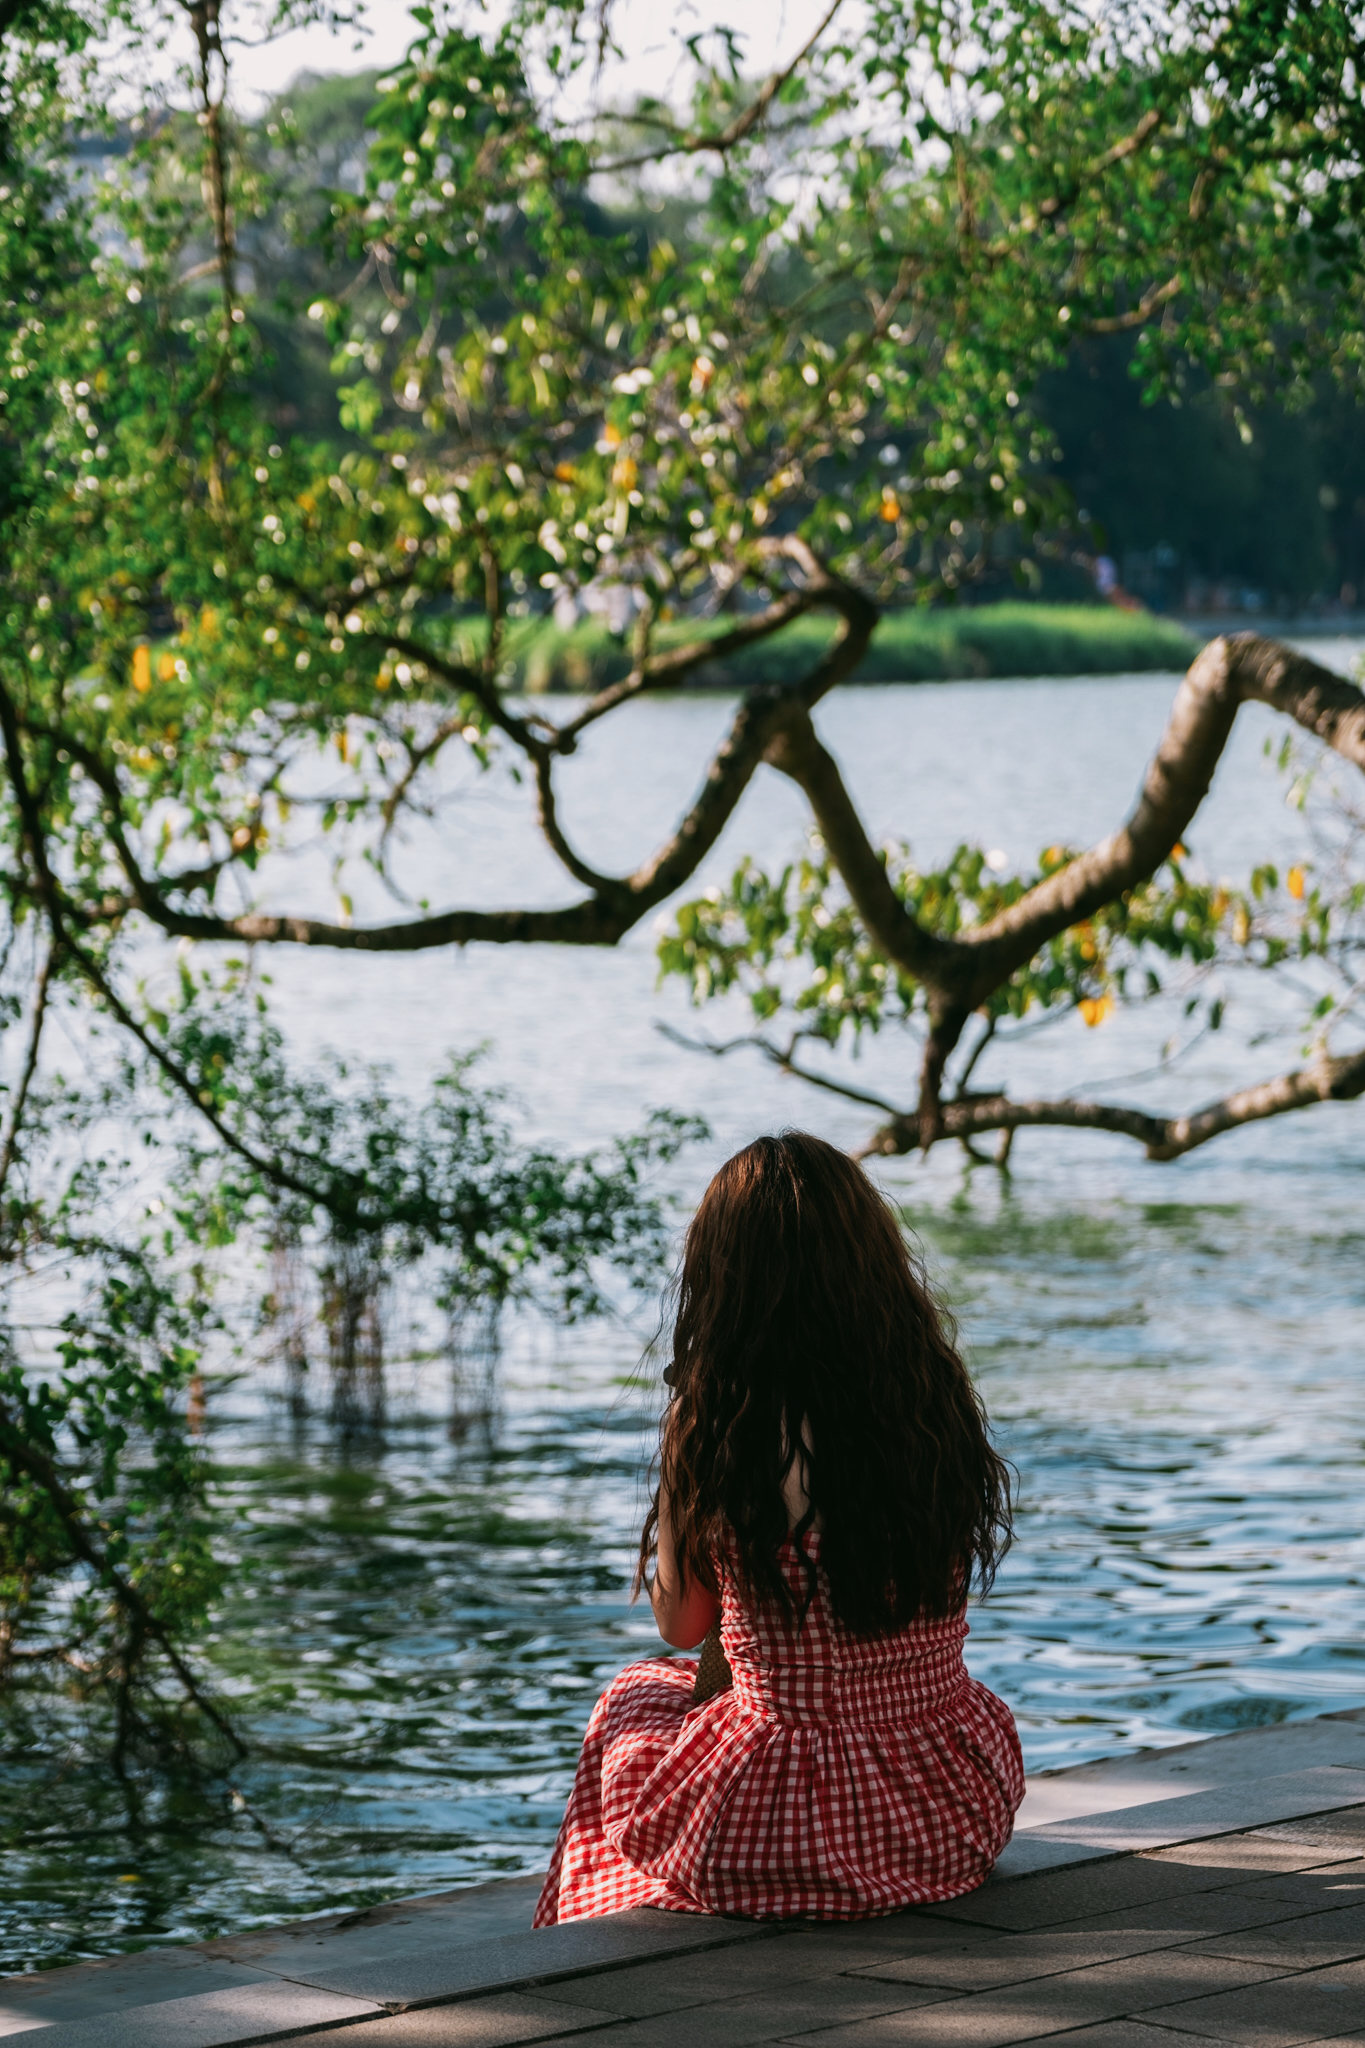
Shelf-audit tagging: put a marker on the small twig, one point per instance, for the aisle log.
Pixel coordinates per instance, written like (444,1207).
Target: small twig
(982,1042)
(19,1100)
(40,1468)
(695,143)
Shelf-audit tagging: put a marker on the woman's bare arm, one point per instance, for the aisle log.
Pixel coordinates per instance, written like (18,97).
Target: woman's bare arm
(684,1613)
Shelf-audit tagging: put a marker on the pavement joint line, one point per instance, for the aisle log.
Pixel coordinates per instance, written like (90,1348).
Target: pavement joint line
(400,1964)
(754,1931)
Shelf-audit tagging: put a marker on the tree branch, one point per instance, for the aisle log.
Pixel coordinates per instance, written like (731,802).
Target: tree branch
(798,752)
(1123,323)
(743,124)
(1164,1137)
(959,974)
(670,667)
(26,1455)
(786,1061)
(1228,673)
(616,903)
(19,1100)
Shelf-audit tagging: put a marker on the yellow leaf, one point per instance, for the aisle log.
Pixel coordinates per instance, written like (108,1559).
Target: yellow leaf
(612,435)
(142,669)
(624,473)
(890,509)
(1294,883)
(1095,1009)
(1219,905)
(1241,925)
(1179,851)
(166,667)
(565,472)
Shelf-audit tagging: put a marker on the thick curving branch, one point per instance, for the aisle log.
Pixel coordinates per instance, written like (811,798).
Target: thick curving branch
(1163,1137)
(961,973)
(614,903)
(1230,672)
(600,919)
(797,751)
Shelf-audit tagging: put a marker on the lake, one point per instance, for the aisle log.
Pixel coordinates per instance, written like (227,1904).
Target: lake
(1172,1356)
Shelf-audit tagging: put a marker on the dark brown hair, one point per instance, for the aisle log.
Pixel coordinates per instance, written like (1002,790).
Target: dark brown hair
(799,1297)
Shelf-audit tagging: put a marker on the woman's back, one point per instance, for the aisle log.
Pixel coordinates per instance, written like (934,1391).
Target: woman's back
(852,1767)
(816,1671)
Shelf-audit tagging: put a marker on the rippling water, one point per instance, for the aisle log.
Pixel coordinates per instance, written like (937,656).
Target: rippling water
(1172,1356)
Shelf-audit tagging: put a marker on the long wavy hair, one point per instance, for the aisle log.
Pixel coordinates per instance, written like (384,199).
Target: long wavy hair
(799,1301)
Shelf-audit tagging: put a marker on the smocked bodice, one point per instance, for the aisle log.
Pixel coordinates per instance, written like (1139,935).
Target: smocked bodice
(818,1672)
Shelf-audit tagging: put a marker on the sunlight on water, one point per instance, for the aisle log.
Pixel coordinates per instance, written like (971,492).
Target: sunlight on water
(422,1618)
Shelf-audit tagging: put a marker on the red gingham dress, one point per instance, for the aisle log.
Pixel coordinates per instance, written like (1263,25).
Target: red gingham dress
(839,1778)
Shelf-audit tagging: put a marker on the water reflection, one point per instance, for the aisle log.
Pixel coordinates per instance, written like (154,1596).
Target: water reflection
(423,1617)
(431,1587)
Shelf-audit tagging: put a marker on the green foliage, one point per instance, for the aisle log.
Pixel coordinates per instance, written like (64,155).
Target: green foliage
(795,942)
(536,391)
(110,1535)
(794,946)
(753,357)
(338,1160)
(907,647)
(106,1557)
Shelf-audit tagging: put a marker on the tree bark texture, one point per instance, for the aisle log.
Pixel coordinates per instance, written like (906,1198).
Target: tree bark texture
(773,724)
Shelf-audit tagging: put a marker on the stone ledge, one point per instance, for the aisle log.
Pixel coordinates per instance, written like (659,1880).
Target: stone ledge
(264,2012)
(277,2007)
(1190,1817)
(340,1971)
(547,1955)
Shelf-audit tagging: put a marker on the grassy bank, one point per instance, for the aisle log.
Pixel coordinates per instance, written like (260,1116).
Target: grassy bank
(909,647)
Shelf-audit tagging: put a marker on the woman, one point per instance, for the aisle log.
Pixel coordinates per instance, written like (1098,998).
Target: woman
(827,1491)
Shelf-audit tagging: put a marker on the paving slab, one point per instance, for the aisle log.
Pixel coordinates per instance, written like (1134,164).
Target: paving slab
(428,1976)
(497,2022)
(1155,1774)
(473,1913)
(272,2011)
(113,1983)
(745,2022)
(1215,1893)
(1047,2007)
(1312,1940)
(1316,1890)
(1306,2007)
(714,1978)
(1188,1817)
(1121,2034)
(1191,1917)
(1018,1958)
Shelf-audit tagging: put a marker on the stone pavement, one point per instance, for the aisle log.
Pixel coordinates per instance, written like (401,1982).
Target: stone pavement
(1212,1893)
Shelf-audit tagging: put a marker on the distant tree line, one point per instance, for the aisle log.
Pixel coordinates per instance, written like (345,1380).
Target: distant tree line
(1201,499)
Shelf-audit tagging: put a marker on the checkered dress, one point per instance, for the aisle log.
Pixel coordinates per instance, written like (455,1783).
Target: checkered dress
(839,1778)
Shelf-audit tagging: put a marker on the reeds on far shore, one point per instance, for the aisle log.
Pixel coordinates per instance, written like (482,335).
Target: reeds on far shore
(1011,639)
